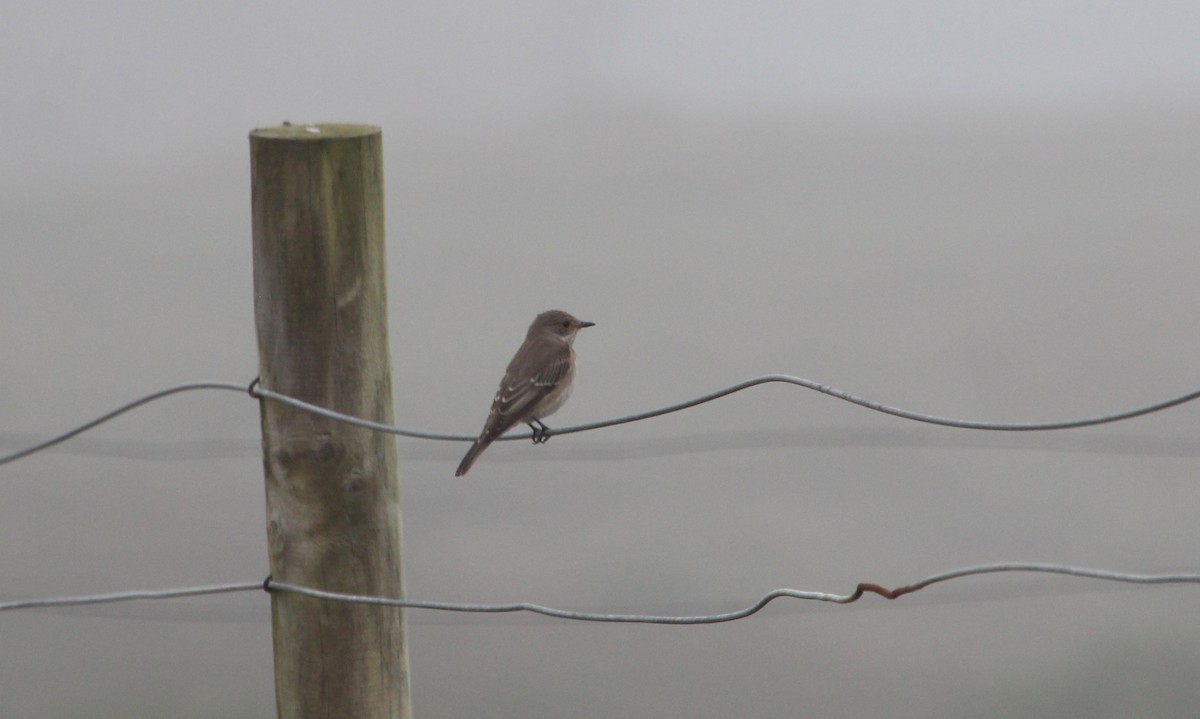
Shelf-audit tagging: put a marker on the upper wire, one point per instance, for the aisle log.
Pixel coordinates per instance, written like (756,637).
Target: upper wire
(764,379)
(255,390)
(57,439)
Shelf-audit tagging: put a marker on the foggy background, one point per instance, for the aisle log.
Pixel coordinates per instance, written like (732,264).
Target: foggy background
(983,211)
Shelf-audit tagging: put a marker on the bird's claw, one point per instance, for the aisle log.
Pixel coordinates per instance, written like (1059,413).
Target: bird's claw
(541,433)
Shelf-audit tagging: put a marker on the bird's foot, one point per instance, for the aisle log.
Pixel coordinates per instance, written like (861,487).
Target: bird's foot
(541,433)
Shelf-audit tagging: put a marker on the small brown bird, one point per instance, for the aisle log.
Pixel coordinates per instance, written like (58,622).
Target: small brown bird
(536,384)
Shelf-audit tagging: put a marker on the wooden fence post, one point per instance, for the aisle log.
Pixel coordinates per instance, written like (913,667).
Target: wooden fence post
(333,515)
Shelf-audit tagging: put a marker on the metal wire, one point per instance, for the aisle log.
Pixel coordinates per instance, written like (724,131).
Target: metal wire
(80,600)
(116,413)
(764,379)
(262,393)
(757,606)
(860,590)
(254,390)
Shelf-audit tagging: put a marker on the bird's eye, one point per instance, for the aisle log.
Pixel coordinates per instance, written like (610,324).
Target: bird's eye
(566,323)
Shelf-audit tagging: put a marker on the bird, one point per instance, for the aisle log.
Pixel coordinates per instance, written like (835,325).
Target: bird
(536,383)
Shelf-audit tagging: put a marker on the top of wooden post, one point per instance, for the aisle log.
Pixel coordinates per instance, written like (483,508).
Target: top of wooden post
(309,131)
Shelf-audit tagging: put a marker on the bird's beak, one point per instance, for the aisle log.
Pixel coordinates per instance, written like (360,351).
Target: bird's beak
(586,324)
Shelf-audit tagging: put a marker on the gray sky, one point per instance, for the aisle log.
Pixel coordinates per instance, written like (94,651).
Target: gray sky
(970,210)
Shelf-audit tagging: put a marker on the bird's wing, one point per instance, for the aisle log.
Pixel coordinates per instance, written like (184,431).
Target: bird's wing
(553,371)
(528,380)
(519,392)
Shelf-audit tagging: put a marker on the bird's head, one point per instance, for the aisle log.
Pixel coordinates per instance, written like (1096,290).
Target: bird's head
(558,323)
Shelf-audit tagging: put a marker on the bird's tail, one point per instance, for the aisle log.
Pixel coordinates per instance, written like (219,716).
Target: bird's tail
(472,455)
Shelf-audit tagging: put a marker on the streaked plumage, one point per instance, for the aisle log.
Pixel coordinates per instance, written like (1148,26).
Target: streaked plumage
(536,384)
